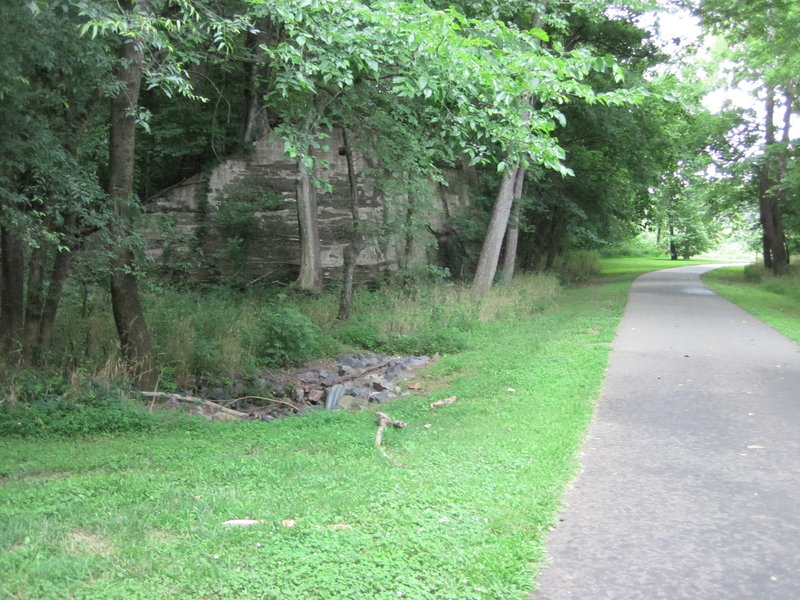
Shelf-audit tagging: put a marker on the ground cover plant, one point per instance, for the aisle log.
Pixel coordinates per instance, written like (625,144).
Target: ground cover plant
(458,510)
(774,300)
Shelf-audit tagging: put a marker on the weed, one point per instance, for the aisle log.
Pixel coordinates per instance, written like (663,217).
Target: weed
(283,336)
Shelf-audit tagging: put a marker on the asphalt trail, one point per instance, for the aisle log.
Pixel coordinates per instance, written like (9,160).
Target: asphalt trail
(690,481)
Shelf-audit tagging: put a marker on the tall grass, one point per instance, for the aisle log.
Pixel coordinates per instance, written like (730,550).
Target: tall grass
(217,336)
(432,318)
(578,265)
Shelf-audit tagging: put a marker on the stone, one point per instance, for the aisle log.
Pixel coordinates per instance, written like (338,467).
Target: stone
(315,396)
(353,361)
(380,384)
(382,397)
(391,372)
(348,402)
(345,371)
(299,394)
(360,391)
(308,377)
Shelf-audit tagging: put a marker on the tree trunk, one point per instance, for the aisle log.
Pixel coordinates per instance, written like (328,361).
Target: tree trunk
(673,249)
(408,245)
(774,239)
(134,335)
(12,302)
(34,304)
(512,234)
(353,248)
(254,122)
(310,278)
(490,251)
(58,275)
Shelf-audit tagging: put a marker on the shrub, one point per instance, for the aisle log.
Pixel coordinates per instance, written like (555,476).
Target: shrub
(359,334)
(578,265)
(284,336)
(644,244)
(755,273)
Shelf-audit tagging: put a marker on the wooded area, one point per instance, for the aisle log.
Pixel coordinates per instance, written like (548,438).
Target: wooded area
(562,127)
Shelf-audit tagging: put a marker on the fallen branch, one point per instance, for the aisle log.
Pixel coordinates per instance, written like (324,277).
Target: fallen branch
(443,402)
(294,407)
(383,421)
(194,400)
(361,372)
(243,522)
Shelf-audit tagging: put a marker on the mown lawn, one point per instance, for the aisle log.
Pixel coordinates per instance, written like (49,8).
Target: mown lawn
(140,515)
(776,301)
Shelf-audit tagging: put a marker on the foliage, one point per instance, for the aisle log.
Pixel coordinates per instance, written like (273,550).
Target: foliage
(760,55)
(578,265)
(644,244)
(438,318)
(212,336)
(39,406)
(283,336)
(238,219)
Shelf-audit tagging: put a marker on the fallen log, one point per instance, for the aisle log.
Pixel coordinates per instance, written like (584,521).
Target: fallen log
(201,401)
(361,372)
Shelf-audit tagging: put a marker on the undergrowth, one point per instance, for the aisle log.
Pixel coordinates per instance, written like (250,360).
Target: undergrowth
(221,337)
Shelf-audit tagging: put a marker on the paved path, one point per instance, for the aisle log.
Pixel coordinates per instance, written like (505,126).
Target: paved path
(690,488)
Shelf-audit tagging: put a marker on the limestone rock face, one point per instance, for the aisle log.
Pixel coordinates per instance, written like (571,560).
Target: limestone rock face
(265,244)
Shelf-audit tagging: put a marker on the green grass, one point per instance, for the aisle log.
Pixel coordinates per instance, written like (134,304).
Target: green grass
(776,301)
(138,515)
(624,268)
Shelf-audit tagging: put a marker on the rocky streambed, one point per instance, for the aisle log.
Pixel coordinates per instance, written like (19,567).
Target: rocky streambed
(348,382)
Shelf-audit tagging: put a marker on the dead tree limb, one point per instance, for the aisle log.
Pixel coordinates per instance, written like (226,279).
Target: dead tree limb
(383,421)
(201,401)
(294,407)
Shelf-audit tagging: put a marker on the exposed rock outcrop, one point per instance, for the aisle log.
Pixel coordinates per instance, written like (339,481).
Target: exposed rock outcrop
(269,246)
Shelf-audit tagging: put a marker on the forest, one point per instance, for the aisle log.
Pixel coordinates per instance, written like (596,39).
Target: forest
(337,158)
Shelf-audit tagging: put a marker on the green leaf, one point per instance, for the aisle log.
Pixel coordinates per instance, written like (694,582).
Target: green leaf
(539,33)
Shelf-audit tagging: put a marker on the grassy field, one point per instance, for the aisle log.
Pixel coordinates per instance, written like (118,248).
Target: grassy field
(140,515)
(457,508)
(776,301)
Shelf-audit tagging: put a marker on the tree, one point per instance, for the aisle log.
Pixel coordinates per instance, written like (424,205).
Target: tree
(762,36)
(50,196)
(137,29)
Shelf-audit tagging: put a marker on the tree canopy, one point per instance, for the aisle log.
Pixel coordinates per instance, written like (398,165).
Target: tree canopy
(569,125)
